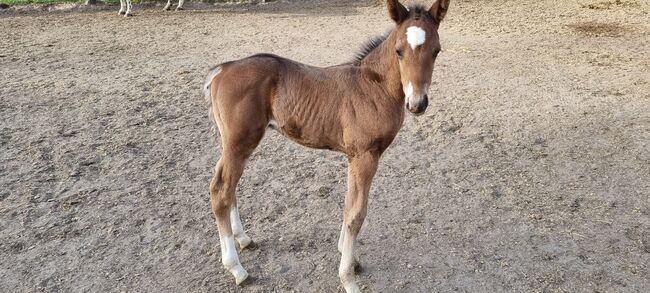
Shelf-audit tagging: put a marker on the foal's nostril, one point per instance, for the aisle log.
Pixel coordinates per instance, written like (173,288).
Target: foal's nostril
(420,107)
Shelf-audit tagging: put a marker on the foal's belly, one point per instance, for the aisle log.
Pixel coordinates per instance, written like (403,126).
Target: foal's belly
(313,134)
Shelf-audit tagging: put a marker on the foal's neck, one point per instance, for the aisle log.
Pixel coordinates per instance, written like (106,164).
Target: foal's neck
(383,61)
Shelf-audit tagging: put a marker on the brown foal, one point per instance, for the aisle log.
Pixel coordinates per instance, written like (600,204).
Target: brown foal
(354,108)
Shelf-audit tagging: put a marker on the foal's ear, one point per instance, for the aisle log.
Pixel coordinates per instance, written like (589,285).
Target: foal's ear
(397,11)
(439,9)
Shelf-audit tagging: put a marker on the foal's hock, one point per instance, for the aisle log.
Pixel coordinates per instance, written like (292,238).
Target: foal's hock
(354,108)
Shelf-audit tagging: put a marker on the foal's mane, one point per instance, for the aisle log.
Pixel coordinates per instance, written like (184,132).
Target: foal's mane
(368,47)
(415,12)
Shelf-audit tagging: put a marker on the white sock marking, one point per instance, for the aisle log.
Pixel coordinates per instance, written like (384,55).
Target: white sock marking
(229,256)
(238,228)
(230,259)
(415,36)
(346,269)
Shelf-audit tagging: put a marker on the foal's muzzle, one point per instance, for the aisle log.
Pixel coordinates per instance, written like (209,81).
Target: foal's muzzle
(418,107)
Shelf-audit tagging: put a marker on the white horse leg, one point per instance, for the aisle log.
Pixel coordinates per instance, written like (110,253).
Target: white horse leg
(168,6)
(122,7)
(238,228)
(128,8)
(180,5)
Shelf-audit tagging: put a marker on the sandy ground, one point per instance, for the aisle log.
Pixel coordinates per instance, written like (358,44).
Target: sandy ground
(530,171)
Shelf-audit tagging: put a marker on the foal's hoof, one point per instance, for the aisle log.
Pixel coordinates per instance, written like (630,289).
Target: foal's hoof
(128,14)
(251,246)
(352,288)
(245,242)
(121,12)
(179,8)
(167,8)
(240,274)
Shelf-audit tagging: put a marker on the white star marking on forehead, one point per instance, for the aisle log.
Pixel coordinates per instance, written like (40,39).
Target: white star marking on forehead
(415,36)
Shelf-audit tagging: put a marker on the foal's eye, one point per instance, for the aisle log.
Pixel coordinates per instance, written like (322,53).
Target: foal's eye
(399,53)
(435,53)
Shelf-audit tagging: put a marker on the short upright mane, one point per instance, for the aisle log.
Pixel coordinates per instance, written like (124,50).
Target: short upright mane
(417,12)
(368,47)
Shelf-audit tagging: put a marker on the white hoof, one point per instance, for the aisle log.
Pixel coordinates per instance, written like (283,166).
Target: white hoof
(121,12)
(167,7)
(240,274)
(352,288)
(243,241)
(179,8)
(128,13)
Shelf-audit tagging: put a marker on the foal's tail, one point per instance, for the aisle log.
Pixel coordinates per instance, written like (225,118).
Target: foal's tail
(214,71)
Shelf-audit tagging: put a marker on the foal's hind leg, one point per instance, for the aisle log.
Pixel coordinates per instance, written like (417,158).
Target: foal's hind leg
(236,150)
(222,197)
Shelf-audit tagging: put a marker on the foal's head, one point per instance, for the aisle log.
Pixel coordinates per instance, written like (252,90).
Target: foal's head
(416,46)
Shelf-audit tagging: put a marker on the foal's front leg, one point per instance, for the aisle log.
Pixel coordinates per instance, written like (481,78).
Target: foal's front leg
(361,170)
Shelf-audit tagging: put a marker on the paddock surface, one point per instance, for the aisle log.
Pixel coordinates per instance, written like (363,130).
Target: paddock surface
(530,171)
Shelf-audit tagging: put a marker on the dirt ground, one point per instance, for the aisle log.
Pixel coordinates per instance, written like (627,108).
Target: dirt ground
(530,171)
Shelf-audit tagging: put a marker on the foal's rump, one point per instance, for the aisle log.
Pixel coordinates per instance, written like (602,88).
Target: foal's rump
(238,93)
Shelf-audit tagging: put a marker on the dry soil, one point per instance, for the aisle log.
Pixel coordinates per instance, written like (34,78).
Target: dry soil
(530,171)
